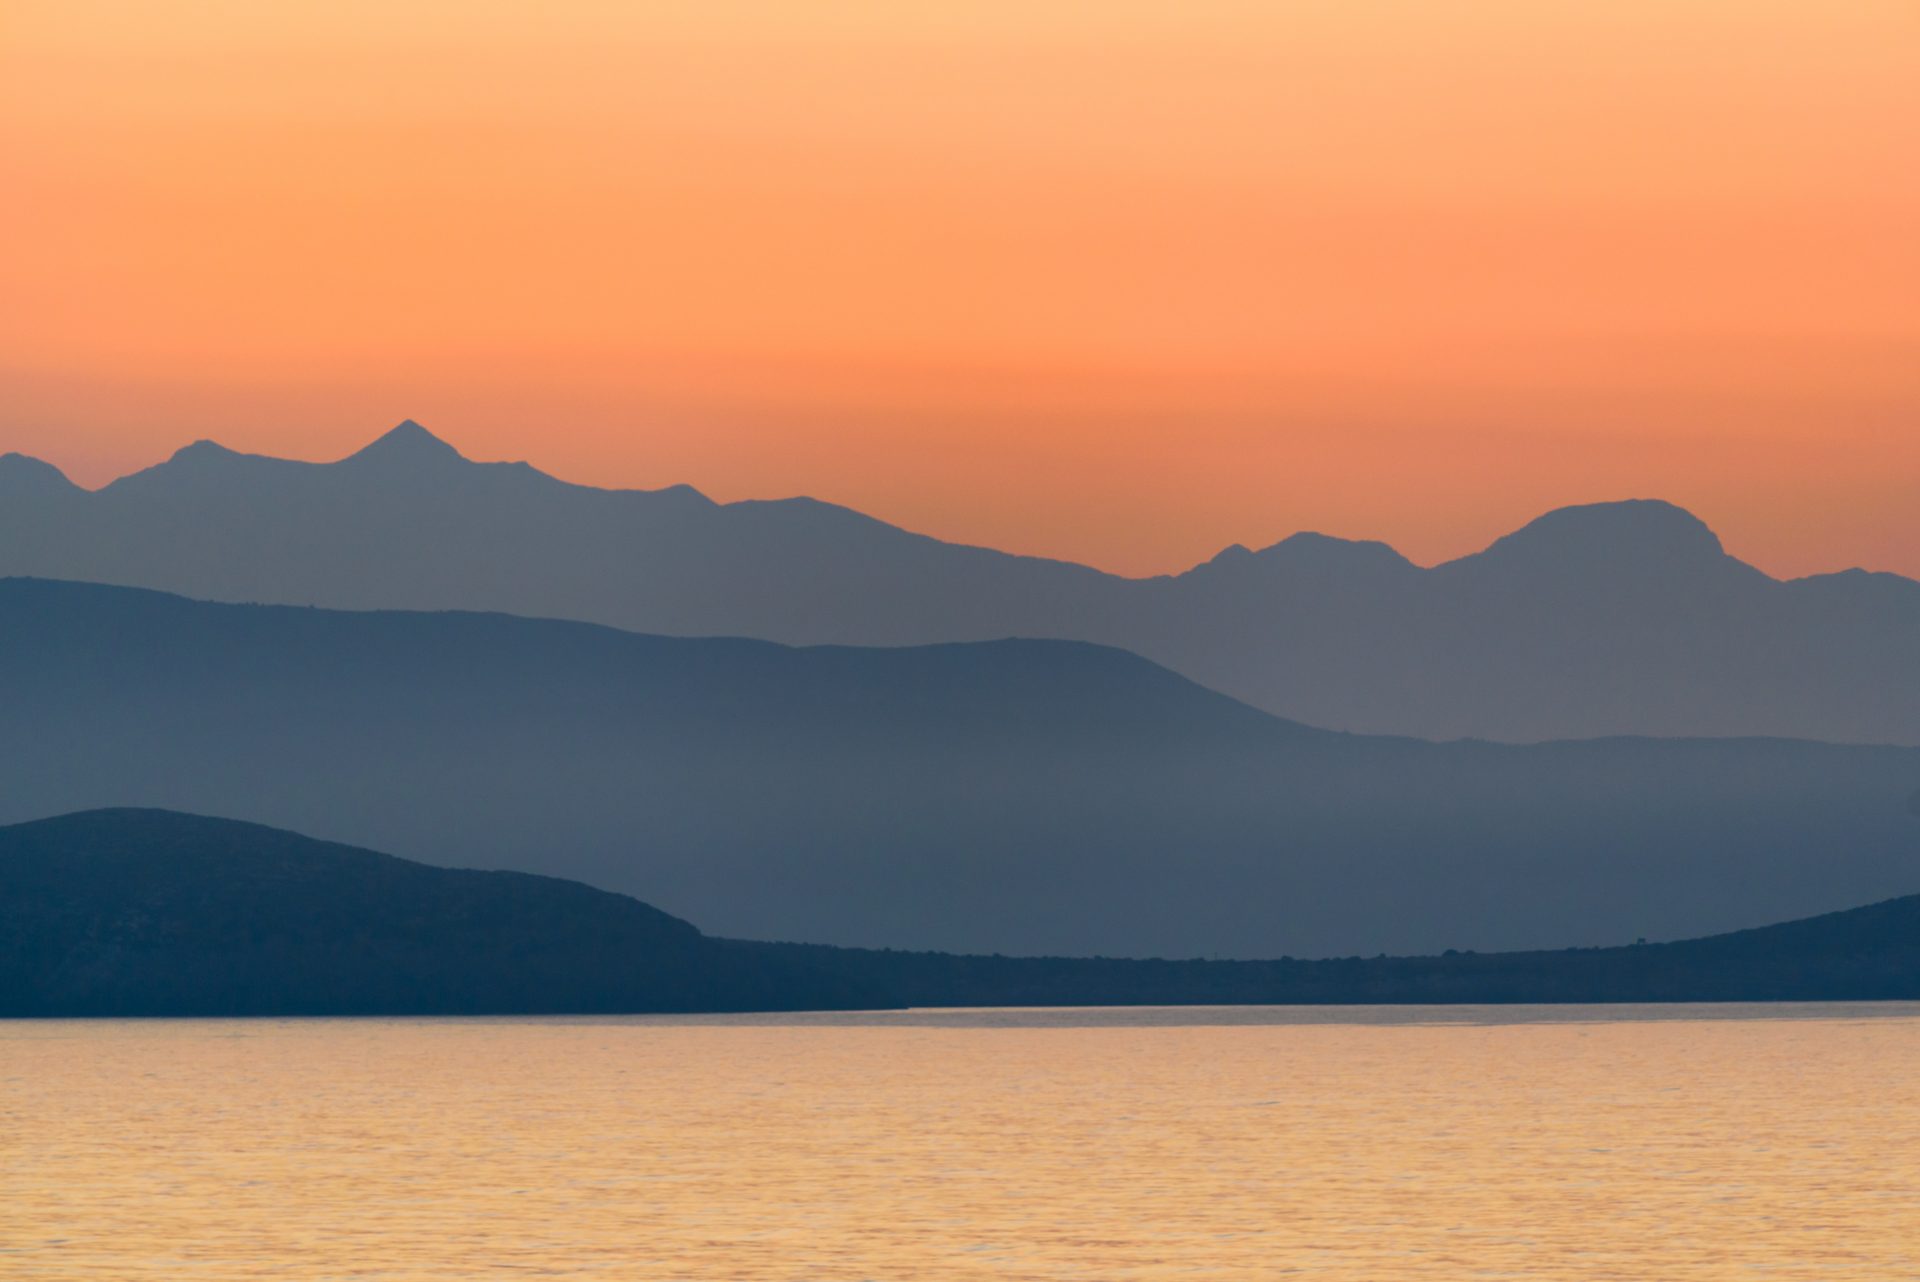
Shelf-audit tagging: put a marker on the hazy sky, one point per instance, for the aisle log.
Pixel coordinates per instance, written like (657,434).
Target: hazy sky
(1116,281)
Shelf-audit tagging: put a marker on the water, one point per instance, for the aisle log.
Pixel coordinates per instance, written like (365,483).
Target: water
(1664,1144)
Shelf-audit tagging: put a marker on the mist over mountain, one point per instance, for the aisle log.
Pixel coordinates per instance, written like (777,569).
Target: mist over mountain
(146,912)
(1623,618)
(1017,796)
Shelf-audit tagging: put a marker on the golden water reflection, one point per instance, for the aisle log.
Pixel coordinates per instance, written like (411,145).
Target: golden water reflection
(1378,1146)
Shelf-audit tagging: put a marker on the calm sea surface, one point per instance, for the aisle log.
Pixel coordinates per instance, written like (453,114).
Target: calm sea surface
(1664,1144)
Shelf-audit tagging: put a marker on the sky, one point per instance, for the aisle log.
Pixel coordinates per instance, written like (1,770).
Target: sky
(1119,282)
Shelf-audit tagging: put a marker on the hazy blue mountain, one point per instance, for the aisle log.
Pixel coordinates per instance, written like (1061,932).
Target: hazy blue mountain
(143,912)
(1612,619)
(1019,796)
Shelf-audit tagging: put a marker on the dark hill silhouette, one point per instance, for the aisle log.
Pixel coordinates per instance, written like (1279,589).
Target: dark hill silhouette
(1624,618)
(1016,796)
(1862,954)
(141,912)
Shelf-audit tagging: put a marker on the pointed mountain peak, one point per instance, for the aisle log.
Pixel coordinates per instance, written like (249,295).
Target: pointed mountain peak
(1232,554)
(23,474)
(408,445)
(1629,532)
(202,450)
(203,463)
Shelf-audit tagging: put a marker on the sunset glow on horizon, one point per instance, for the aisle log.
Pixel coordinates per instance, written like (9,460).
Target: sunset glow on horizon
(1122,283)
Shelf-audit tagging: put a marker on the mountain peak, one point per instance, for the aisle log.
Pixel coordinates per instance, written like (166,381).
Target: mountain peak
(22,473)
(202,449)
(408,445)
(1309,547)
(1312,553)
(1626,532)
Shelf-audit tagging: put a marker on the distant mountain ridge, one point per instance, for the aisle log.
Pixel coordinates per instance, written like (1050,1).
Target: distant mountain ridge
(143,912)
(1014,796)
(1621,618)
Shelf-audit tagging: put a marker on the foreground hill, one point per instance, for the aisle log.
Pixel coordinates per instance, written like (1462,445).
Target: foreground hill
(143,912)
(1862,954)
(129,912)
(1624,618)
(1015,797)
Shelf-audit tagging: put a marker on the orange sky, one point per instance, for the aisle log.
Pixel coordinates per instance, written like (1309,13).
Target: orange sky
(1121,282)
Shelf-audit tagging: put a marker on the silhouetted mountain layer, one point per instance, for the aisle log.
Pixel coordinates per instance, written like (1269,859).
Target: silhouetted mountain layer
(1624,618)
(1017,797)
(144,912)
(140,912)
(1862,954)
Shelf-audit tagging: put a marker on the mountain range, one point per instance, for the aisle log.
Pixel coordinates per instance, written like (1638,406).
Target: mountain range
(1038,797)
(1619,618)
(141,912)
